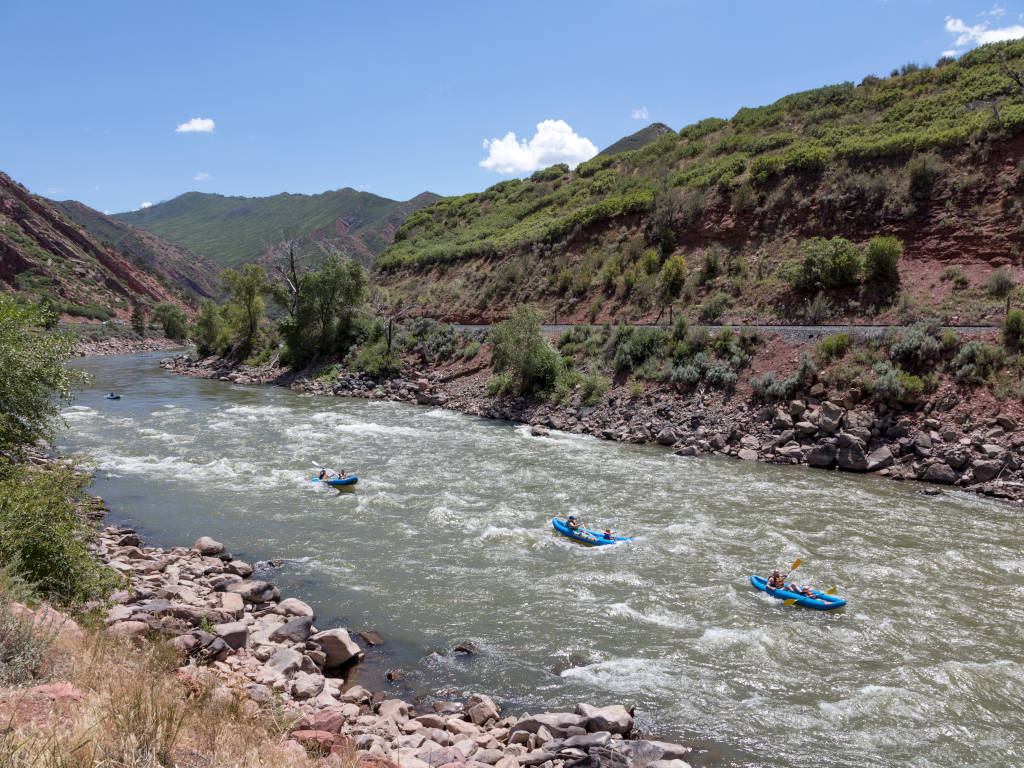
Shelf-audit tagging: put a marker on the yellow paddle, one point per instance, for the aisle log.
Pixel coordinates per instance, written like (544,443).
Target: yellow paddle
(792,600)
(796,564)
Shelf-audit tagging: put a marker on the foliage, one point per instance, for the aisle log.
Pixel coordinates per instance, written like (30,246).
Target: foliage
(918,348)
(471,350)
(976,362)
(24,645)
(1000,283)
(832,347)
(881,259)
(210,330)
(499,385)
(672,278)
(593,385)
(817,309)
(770,388)
(894,385)
(833,263)
(138,320)
(374,359)
(173,320)
(430,339)
(519,349)
(712,308)
(924,171)
(1013,328)
(34,382)
(636,389)
(42,533)
(244,307)
(632,347)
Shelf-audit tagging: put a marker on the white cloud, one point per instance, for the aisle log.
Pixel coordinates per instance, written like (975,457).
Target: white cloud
(145,205)
(951,53)
(201,177)
(980,34)
(196,125)
(554,142)
(640,114)
(995,13)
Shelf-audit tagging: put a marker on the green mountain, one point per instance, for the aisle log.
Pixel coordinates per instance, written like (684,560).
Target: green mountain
(932,155)
(637,140)
(234,230)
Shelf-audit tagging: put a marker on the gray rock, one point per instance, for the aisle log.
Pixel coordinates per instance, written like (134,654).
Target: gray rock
(687,450)
(338,645)
(880,458)
(294,631)
(939,473)
(782,420)
(207,546)
(596,739)
(234,633)
(239,568)
(556,722)
(790,450)
(986,470)
(797,407)
(666,436)
(481,709)
(804,428)
(306,686)
(539,431)
(829,416)
(851,457)
(1006,422)
(822,455)
(253,591)
(293,607)
(395,710)
(993,451)
(285,662)
(614,719)
(956,459)
(748,454)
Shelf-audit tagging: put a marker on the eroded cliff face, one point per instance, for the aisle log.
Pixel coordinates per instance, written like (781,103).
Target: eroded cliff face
(969,224)
(45,257)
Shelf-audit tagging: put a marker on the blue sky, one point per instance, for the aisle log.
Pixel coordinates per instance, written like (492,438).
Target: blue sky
(400,97)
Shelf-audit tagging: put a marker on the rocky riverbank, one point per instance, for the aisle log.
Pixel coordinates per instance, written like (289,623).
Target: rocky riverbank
(242,638)
(119,346)
(950,441)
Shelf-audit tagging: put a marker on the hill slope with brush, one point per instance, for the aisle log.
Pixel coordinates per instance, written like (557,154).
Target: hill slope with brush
(931,156)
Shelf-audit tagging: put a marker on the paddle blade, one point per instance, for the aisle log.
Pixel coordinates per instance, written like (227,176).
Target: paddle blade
(830,591)
(791,601)
(796,564)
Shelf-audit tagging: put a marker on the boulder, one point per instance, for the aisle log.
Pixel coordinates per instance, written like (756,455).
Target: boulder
(481,709)
(986,470)
(614,719)
(128,629)
(822,455)
(232,604)
(253,591)
(207,546)
(395,710)
(851,457)
(330,720)
(939,473)
(294,631)
(239,568)
(748,454)
(830,416)
(666,436)
(797,407)
(285,662)
(556,722)
(539,431)
(1006,422)
(790,450)
(306,685)
(782,420)
(234,633)
(317,742)
(293,607)
(880,458)
(804,428)
(338,645)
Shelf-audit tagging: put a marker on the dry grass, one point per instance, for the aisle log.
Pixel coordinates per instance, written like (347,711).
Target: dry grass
(137,712)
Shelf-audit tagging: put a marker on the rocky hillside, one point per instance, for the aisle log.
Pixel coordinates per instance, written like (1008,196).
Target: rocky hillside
(933,156)
(179,266)
(637,140)
(47,257)
(235,230)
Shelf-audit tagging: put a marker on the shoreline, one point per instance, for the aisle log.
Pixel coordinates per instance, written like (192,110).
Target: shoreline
(941,445)
(124,346)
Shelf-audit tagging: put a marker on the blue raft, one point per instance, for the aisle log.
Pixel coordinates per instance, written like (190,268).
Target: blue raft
(821,602)
(336,481)
(586,536)
(113,397)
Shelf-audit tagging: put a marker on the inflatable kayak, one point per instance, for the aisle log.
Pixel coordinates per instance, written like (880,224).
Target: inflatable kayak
(595,538)
(336,481)
(113,397)
(821,601)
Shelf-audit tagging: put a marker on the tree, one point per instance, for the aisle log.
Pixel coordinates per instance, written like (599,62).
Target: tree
(519,348)
(881,259)
(138,320)
(209,329)
(388,310)
(172,319)
(670,282)
(245,303)
(34,384)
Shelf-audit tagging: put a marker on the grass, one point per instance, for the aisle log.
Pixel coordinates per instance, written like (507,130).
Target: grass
(137,712)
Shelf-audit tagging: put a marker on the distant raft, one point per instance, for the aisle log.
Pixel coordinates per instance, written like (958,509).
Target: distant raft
(113,397)
(336,481)
(586,536)
(820,602)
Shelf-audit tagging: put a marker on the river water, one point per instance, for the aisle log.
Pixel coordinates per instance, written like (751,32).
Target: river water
(447,538)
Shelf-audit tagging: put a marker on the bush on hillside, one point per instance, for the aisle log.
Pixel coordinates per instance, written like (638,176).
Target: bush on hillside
(519,349)
(24,645)
(924,171)
(834,263)
(1000,283)
(713,307)
(832,347)
(918,348)
(976,362)
(1013,328)
(881,259)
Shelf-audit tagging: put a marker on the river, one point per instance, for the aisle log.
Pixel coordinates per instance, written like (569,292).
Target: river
(447,538)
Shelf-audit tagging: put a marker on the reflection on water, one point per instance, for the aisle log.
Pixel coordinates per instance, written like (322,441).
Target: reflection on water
(447,538)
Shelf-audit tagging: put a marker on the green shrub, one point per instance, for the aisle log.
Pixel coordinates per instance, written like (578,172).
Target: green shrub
(594,385)
(24,645)
(817,309)
(636,389)
(470,350)
(631,348)
(976,362)
(893,385)
(374,359)
(41,531)
(711,266)
(519,348)
(173,320)
(832,347)
(923,172)
(499,385)
(1000,283)
(918,348)
(713,307)
(1013,327)
(881,259)
(834,263)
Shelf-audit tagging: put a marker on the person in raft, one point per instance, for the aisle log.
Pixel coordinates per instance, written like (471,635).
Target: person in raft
(776,580)
(572,523)
(608,534)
